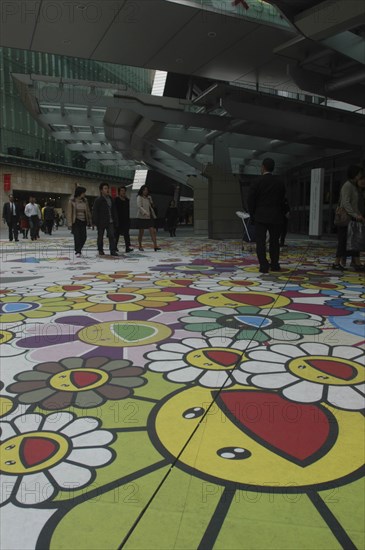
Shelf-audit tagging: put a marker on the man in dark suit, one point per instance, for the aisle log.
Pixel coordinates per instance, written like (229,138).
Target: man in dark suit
(104,216)
(266,208)
(122,207)
(11,216)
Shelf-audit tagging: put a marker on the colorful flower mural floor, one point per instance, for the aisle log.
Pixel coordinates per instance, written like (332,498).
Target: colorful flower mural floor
(180,399)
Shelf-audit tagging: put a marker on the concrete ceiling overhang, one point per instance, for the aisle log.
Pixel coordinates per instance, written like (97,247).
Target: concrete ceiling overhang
(185,38)
(327,57)
(319,50)
(178,137)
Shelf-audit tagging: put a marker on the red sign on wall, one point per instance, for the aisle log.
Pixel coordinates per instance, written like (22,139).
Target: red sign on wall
(7,182)
(113,192)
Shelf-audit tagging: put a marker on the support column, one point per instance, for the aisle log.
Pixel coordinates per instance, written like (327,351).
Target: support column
(316,203)
(224,201)
(201,191)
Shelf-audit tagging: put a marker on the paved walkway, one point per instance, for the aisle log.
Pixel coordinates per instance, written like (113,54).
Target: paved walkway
(179,399)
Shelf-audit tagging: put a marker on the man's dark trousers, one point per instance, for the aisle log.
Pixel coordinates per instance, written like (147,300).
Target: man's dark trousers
(13,228)
(110,233)
(274,246)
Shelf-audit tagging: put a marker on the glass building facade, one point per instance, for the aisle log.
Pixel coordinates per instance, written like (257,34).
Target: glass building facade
(21,137)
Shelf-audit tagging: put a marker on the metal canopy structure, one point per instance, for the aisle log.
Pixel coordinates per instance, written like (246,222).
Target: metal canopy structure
(291,45)
(179,137)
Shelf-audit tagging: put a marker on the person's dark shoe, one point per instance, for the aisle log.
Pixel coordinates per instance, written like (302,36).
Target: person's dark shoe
(101,253)
(114,253)
(141,248)
(263,269)
(283,244)
(157,248)
(117,250)
(129,249)
(275,267)
(338,267)
(358,268)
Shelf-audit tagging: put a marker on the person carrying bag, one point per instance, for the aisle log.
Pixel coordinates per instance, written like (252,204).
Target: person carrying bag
(352,205)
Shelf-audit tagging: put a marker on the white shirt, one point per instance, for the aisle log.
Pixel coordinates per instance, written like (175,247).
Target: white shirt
(32,210)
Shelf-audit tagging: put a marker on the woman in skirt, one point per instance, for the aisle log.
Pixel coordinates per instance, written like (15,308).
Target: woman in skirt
(146,217)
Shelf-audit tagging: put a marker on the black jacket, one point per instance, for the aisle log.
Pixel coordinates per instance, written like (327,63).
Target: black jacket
(100,213)
(171,216)
(7,212)
(266,200)
(122,209)
(49,214)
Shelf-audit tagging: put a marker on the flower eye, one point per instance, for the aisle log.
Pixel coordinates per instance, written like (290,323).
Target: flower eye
(10,462)
(234,453)
(195,412)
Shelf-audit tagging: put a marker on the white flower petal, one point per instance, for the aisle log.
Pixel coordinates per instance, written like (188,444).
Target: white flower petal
(220,343)
(222,332)
(261,367)
(6,431)
(176,348)
(195,343)
(347,352)
(70,476)
(94,439)
(304,392)
(314,348)
(244,345)
(273,381)
(28,422)
(7,485)
(361,388)
(215,379)
(286,350)
(80,426)
(54,422)
(90,457)
(184,375)
(166,366)
(261,354)
(240,377)
(8,350)
(345,397)
(163,355)
(34,489)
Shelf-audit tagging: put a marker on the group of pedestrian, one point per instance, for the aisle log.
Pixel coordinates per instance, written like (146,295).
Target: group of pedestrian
(268,208)
(111,216)
(24,218)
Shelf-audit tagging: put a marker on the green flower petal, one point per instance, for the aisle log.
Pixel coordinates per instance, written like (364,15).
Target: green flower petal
(73,362)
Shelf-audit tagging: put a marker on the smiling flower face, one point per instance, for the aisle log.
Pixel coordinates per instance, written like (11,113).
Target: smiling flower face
(310,373)
(84,383)
(209,362)
(127,299)
(41,454)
